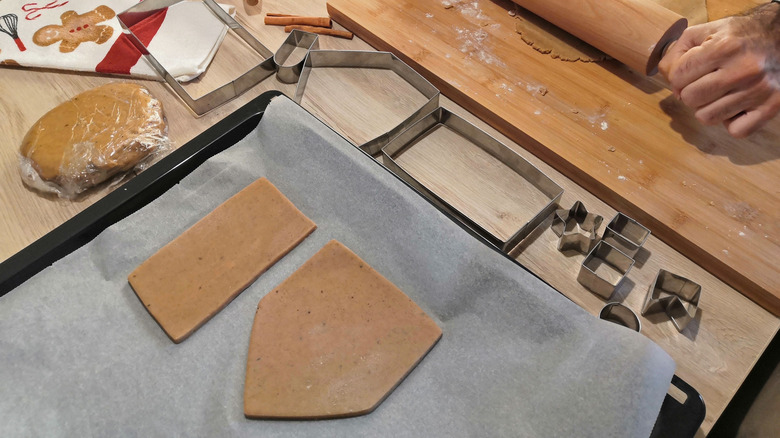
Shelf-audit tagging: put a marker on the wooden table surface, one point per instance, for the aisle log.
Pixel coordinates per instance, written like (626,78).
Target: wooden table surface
(619,134)
(714,354)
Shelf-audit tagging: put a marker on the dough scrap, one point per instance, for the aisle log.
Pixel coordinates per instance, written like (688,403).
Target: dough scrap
(549,39)
(332,340)
(196,275)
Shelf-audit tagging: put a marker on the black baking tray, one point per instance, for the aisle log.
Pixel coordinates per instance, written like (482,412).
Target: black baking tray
(675,418)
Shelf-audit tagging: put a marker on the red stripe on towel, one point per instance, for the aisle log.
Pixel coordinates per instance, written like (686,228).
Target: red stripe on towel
(123,55)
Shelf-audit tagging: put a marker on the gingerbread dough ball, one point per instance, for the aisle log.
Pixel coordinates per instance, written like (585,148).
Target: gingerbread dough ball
(92,137)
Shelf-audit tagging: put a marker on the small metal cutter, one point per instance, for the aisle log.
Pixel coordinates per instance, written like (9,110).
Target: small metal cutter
(603,269)
(576,228)
(214,98)
(626,234)
(290,74)
(675,295)
(621,315)
(378,60)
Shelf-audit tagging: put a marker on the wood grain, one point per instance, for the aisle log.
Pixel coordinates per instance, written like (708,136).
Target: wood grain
(481,187)
(618,134)
(730,335)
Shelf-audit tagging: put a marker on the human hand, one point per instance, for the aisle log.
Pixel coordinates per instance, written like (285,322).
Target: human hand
(729,70)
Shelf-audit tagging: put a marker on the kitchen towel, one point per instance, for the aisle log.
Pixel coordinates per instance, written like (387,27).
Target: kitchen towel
(85,35)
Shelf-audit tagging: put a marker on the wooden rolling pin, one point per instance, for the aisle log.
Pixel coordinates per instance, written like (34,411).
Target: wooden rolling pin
(635,32)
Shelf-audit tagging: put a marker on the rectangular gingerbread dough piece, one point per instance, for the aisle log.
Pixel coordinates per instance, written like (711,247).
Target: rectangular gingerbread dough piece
(197,274)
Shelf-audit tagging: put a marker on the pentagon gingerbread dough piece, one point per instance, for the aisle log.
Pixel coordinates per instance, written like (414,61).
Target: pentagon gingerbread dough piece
(196,275)
(333,340)
(77,29)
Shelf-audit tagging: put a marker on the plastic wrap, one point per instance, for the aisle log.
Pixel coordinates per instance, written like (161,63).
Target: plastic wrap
(98,135)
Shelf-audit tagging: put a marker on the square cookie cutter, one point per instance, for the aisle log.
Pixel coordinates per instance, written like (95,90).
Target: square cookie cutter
(604,281)
(496,149)
(675,295)
(224,93)
(626,234)
(576,228)
(377,60)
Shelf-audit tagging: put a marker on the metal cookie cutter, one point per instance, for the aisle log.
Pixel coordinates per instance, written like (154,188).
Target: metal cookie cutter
(576,228)
(621,315)
(603,269)
(446,119)
(214,98)
(675,295)
(626,234)
(290,74)
(378,60)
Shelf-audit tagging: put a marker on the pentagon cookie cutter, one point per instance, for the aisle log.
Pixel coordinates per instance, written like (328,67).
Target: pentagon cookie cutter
(603,269)
(147,8)
(576,228)
(377,60)
(675,295)
(290,74)
(626,234)
(621,315)
(441,117)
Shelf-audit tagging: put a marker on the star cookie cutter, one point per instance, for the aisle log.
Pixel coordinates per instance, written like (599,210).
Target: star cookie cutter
(576,228)
(675,295)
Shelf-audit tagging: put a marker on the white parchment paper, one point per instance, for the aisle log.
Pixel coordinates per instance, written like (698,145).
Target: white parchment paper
(80,356)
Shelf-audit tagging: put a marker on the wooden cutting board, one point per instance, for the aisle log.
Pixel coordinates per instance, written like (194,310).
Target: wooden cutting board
(619,134)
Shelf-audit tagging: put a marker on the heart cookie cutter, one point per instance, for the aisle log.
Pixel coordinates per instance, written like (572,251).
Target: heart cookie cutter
(675,295)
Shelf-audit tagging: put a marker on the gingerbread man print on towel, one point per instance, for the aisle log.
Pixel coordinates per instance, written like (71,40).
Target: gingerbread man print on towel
(77,29)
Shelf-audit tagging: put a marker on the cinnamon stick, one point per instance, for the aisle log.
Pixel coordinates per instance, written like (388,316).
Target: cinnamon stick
(320,31)
(304,21)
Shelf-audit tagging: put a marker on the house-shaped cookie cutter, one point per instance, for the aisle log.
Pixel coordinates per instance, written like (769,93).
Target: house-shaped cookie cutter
(675,295)
(625,234)
(496,149)
(603,269)
(224,93)
(376,60)
(576,228)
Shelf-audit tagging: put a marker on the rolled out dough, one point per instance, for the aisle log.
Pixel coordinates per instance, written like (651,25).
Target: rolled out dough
(549,39)
(333,340)
(193,277)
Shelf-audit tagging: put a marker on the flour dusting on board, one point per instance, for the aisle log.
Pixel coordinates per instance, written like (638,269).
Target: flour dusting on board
(472,42)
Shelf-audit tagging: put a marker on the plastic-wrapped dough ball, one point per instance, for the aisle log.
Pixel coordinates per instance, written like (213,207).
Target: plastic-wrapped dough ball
(94,136)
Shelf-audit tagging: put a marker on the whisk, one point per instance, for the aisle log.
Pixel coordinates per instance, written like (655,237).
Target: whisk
(10,21)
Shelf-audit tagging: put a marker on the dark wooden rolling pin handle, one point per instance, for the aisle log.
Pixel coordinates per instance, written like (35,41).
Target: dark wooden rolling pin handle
(635,32)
